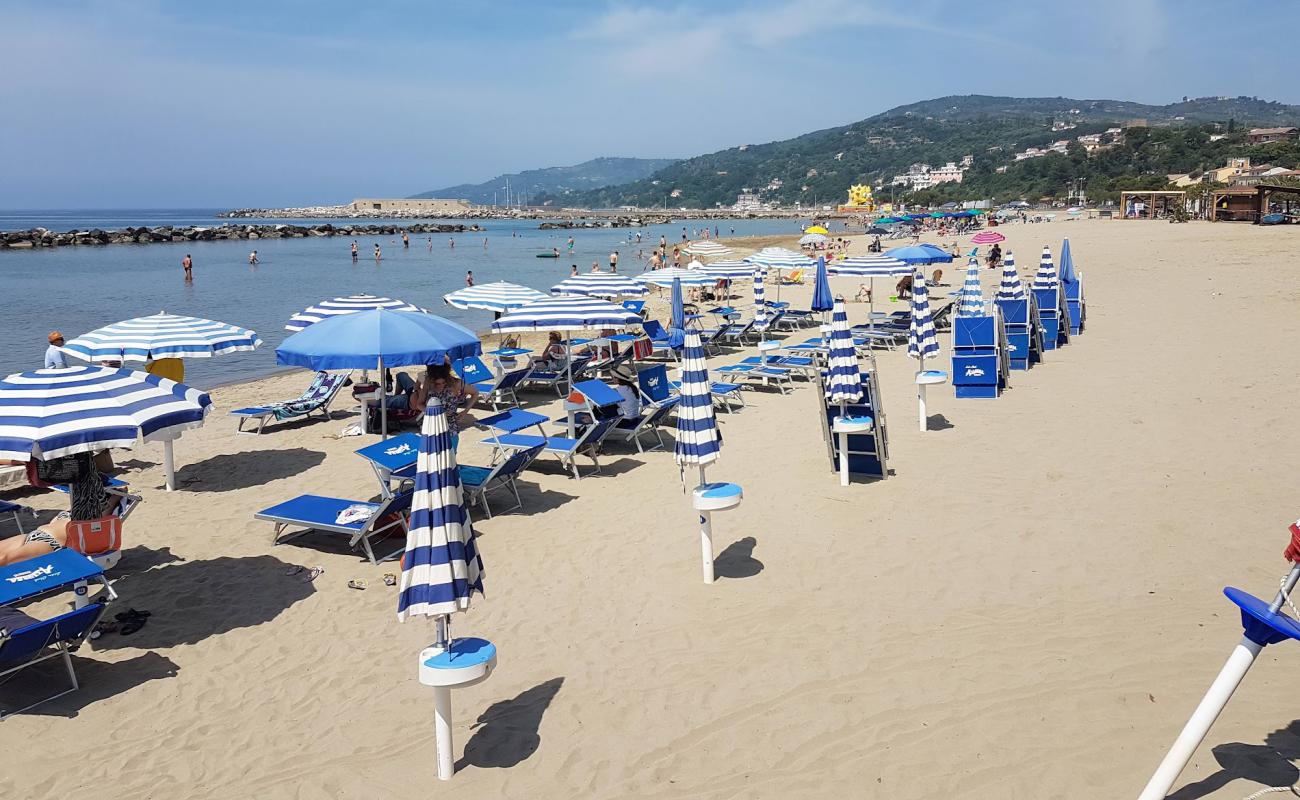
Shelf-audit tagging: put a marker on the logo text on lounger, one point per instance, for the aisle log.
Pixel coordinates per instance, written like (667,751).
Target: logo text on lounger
(399,450)
(32,574)
(973,371)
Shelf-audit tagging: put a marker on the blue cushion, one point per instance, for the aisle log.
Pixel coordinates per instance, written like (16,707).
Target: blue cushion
(474,476)
(462,653)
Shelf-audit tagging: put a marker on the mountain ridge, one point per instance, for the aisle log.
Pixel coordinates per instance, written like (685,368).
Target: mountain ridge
(591,174)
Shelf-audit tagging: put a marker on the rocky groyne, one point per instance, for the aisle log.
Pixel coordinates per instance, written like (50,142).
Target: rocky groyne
(41,237)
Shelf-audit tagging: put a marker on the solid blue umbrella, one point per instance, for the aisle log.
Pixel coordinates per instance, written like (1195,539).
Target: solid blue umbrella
(1068,275)
(1011,288)
(1045,278)
(917,254)
(677,317)
(822,299)
(970,301)
(378,338)
(162,336)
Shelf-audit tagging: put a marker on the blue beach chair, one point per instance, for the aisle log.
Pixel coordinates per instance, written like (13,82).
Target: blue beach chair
(869,450)
(564,448)
(316,400)
(7,507)
(478,481)
(315,513)
(979,360)
(652,417)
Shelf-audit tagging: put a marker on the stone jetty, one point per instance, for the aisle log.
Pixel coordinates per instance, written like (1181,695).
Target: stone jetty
(41,237)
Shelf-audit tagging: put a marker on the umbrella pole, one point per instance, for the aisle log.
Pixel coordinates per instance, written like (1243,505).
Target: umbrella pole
(920,393)
(169,465)
(706,537)
(383,402)
(844,451)
(442,710)
(1220,692)
(568,368)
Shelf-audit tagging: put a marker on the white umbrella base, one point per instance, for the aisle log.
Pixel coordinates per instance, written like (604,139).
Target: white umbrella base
(463,662)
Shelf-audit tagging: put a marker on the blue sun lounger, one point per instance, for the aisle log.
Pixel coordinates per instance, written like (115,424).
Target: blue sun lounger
(492,389)
(1052,317)
(1023,332)
(316,400)
(1075,306)
(7,507)
(315,513)
(478,481)
(564,448)
(25,640)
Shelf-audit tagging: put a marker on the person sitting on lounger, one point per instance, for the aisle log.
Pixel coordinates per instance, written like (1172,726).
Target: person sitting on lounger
(863,295)
(553,355)
(625,384)
(904,287)
(457,397)
(88,501)
(411,394)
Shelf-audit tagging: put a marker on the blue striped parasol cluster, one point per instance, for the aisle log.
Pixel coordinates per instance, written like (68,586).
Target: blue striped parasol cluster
(760,300)
(922,341)
(162,336)
(441,567)
(50,413)
(843,376)
(875,266)
(340,306)
(566,314)
(665,277)
(708,249)
(500,297)
(731,270)
(599,284)
(1011,288)
(697,429)
(970,302)
(1045,278)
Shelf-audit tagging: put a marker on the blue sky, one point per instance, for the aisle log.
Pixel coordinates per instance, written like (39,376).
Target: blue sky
(132,103)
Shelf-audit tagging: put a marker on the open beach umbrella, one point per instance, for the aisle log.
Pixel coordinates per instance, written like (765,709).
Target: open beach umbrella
(1045,278)
(1068,275)
(566,314)
(988,237)
(816,229)
(730,270)
(1011,288)
(875,230)
(779,258)
(500,297)
(822,299)
(666,276)
(599,284)
(874,266)
(340,306)
(707,249)
(698,443)
(51,413)
(161,336)
(970,302)
(760,301)
(441,567)
(813,238)
(917,254)
(922,341)
(378,339)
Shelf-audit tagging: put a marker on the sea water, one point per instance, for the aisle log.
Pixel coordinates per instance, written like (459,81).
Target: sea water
(77,289)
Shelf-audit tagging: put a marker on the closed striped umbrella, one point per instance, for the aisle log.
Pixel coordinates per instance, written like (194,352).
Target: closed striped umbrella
(566,314)
(665,277)
(500,296)
(708,249)
(922,341)
(697,429)
(760,301)
(441,567)
(970,302)
(731,270)
(822,299)
(1046,275)
(599,284)
(345,305)
(876,266)
(1011,288)
(162,336)
(843,376)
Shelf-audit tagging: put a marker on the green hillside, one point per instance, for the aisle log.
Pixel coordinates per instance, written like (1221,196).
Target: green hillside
(553,181)
(818,168)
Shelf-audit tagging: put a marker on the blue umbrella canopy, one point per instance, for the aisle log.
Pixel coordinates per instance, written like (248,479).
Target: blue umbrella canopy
(362,339)
(51,413)
(1068,274)
(162,336)
(698,442)
(940,255)
(922,341)
(441,567)
(1045,278)
(843,376)
(917,254)
(970,302)
(822,299)
(1011,288)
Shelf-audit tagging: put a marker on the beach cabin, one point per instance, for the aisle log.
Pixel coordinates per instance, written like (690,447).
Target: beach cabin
(1053,317)
(1024,339)
(980,362)
(868,451)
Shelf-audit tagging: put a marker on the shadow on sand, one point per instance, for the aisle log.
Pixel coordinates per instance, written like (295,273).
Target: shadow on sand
(737,561)
(98,680)
(1268,764)
(507,733)
(232,471)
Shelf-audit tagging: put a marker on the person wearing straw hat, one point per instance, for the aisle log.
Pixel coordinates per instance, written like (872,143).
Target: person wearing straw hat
(53,355)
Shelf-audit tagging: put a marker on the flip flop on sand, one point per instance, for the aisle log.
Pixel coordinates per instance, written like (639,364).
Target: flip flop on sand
(390,579)
(356,584)
(312,574)
(294,570)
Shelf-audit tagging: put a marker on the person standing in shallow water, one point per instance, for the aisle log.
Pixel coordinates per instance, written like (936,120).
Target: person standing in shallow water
(469,277)
(187,264)
(378,253)
(354,251)
(406,241)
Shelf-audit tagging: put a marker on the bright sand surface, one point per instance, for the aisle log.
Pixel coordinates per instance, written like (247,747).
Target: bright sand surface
(1028,608)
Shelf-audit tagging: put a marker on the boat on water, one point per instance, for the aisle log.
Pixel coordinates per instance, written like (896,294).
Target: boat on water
(548,255)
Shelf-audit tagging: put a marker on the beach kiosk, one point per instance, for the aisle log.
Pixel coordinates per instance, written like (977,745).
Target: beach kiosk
(868,450)
(981,366)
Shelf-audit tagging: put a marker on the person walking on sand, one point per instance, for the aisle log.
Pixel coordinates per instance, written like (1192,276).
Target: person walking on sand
(188,264)
(378,253)
(406,240)
(354,251)
(53,355)
(469,277)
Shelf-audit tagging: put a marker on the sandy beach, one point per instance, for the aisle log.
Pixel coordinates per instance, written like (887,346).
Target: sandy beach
(1029,607)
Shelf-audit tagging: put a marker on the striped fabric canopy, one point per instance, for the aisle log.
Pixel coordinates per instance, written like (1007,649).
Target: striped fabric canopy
(875,266)
(922,341)
(780,258)
(708,249)
(731,270)
(988,237)
(664,277)
(499,296)
(441,567)
(599,284)
(843,376)
(161,336)
(1011,288)
(345,305)
(50,413)
(1046,275)
(697,429)
(970,302)
(760,300)
(566,314)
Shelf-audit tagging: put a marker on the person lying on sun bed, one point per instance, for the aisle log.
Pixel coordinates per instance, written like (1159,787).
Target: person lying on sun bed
(89,501)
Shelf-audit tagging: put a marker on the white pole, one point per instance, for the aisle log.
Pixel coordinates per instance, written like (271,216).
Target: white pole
(844,452)
(169,465)
(706,538)
(442,731)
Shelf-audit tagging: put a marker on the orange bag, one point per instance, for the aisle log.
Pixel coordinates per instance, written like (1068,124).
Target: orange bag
(95,536)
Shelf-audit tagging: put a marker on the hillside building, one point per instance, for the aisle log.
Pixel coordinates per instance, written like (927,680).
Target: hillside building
(1267,135)
(748,202)
(923,176)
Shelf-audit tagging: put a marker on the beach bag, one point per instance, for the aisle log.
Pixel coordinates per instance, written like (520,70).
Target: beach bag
(66,469)
(642,348)
(94,536)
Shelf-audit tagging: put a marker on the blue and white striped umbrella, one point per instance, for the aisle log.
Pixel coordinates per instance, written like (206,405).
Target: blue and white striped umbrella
(161,336)
(50,413)
(760,301)
(599,284)
(665,277)
(876,266)
(697,429)
(566,314)
(970,302)
(843,376)
(345,305)
(1011,288)
(708,249)
(922,341)
(1046,276)
(441,567)
(731,270)
(781,259)
(500,296)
